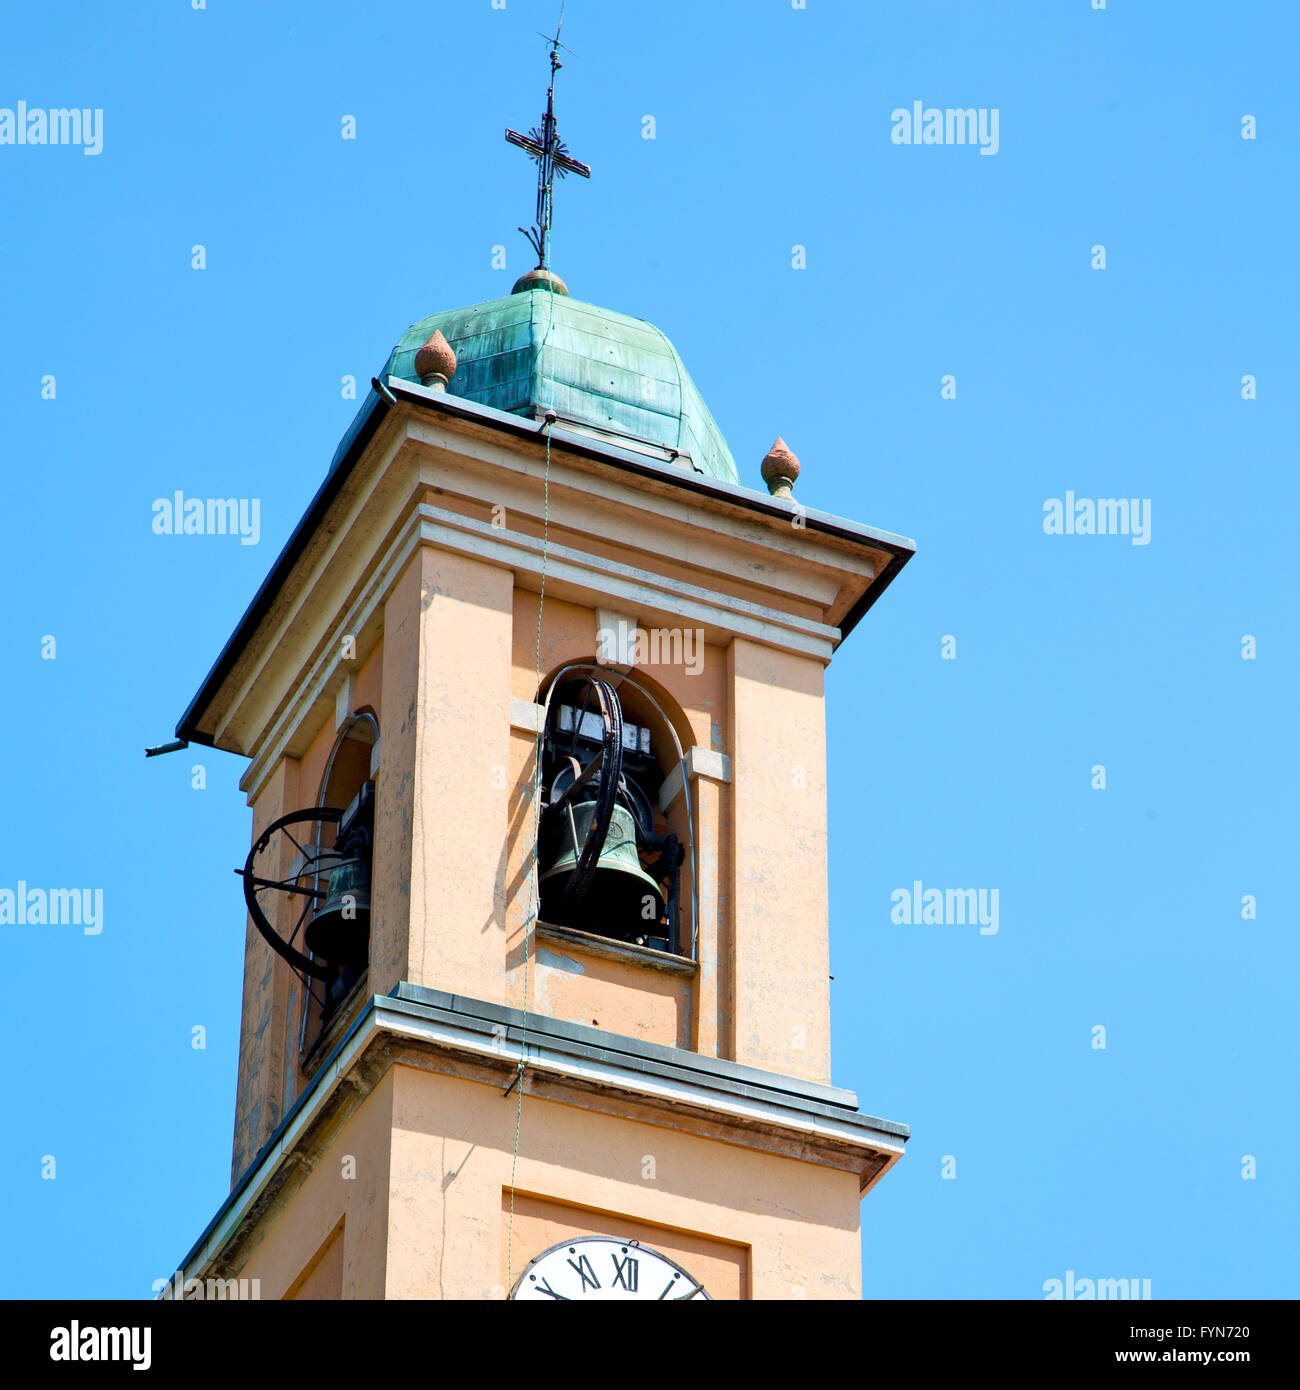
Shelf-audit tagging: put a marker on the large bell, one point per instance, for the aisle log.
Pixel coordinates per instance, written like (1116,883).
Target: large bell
(339,931)
(622,900)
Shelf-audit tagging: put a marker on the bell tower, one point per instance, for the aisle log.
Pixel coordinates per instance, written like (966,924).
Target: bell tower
(536,965)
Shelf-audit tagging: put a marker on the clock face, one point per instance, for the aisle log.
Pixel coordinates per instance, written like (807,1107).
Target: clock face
(599,1267)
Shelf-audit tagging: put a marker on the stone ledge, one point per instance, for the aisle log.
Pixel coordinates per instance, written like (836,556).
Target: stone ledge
(455,1035)
(609,949)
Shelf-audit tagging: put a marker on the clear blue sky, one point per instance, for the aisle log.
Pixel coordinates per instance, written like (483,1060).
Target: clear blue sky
(1119,908)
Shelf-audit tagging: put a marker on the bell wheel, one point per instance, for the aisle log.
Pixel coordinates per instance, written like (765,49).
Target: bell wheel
(286,877)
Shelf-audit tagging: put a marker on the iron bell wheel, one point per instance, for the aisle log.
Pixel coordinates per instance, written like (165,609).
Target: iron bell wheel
(620,894)
(268,888)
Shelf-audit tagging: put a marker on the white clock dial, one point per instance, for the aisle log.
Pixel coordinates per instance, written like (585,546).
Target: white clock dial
(599,1267)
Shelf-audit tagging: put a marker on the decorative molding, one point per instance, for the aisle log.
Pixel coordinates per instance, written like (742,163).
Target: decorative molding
(324,671)
(699,762)
(594,577)
(526,715)
(345,701)
(587,576)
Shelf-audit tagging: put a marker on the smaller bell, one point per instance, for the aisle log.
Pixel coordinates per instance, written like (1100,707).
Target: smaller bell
(339,932)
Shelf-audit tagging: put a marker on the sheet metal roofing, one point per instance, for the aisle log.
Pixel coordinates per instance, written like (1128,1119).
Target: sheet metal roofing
(536,351)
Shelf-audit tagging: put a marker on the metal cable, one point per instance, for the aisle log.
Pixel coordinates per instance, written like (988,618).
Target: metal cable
(534,906)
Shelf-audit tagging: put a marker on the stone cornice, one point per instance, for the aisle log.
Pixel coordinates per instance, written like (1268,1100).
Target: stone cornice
(568,1063)
(570,573)
(789,560)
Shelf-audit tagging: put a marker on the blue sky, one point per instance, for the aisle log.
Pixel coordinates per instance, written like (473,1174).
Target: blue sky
(1119,907)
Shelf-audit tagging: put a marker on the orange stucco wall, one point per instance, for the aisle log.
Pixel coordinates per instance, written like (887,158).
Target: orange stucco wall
(412,1197)
(347,1186)
(418,1182)
(440,835)
(322,1278)
(780,947)
(788,1229)
(453,894)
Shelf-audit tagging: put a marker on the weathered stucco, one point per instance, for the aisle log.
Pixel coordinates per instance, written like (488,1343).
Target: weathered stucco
(416,1186)
(432,569)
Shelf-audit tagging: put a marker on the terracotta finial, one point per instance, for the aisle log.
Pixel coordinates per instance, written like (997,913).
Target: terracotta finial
(435,363)
(780,469)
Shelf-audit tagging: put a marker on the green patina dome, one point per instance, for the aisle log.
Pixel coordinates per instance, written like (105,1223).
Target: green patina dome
(605,373)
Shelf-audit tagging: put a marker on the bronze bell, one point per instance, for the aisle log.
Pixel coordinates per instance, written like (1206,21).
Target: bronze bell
(623,899)
(339,931)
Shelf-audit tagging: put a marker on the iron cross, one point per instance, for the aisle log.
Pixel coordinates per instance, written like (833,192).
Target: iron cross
(552,156)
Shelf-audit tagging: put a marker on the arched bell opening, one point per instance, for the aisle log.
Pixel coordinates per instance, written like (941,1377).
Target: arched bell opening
(338,934)
(615,857)
(307,879)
